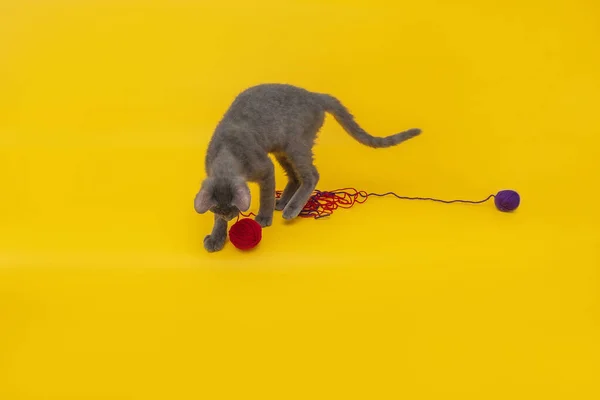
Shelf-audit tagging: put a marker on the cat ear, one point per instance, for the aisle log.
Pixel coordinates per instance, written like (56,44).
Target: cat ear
(241,196)
(204,200)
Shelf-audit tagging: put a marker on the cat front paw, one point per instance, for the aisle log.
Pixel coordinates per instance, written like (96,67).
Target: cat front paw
(280,204)
(263,220)
(291,212)
(212,244)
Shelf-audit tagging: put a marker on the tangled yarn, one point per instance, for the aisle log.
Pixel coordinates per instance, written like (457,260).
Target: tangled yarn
(323,203)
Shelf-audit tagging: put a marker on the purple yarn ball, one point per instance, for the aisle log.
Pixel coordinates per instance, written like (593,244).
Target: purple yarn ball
(507,200)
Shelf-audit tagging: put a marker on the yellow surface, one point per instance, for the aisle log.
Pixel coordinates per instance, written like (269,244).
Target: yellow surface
(106,108)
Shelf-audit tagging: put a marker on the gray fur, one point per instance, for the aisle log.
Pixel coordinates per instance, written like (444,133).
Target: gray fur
(277,119)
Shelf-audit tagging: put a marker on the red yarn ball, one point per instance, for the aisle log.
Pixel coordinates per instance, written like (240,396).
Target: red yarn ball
(245,234)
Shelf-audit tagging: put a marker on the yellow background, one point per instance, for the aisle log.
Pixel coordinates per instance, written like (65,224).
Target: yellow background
(106,108)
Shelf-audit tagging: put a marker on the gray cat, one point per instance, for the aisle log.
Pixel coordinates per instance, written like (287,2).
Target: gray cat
(282,120)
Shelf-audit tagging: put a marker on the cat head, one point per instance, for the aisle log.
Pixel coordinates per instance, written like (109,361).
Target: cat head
(225,197)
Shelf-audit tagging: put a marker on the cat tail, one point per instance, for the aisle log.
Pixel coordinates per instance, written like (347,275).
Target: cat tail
(346,120)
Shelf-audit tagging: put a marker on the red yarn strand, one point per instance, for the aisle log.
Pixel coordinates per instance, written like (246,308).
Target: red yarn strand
(323,203)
